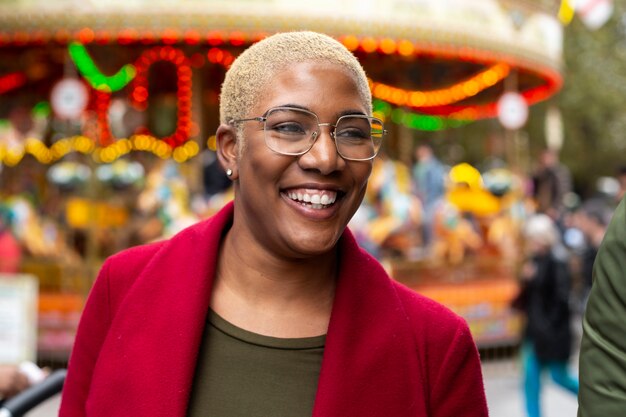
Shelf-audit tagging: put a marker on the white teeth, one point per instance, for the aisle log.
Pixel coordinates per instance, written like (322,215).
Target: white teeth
(316,201)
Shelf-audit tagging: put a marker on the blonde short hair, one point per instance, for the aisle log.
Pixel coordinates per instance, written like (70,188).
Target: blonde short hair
(255,67)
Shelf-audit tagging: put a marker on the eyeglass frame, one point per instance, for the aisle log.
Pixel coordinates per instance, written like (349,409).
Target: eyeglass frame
(263,119)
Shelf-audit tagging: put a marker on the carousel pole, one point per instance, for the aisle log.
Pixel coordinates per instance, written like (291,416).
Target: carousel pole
(511,135)
(513,114)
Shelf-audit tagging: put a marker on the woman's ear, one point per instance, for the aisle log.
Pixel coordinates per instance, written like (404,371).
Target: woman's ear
(227,149)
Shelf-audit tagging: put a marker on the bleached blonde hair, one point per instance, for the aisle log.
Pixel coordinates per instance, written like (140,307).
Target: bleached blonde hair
(256,66)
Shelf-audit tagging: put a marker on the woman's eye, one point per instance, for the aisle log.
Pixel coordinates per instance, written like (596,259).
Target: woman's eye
(352,133)
(289,128)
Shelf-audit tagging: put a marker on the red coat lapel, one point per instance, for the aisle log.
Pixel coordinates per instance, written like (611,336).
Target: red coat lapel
(370,361)
(148,359)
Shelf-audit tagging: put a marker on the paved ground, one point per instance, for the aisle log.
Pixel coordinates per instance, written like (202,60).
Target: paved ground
(505,396)
(502,383)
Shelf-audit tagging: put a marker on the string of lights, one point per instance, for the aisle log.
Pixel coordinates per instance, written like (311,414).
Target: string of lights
(101,154)
(139,88)
(452,94)
(385,111)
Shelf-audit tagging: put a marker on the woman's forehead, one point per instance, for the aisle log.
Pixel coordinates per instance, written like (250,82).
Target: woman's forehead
(311,81)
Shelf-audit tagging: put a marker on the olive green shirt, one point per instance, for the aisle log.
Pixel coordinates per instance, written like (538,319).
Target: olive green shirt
(244,374)
(603,349)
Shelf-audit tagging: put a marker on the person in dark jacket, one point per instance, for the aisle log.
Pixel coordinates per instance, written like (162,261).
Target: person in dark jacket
(545,293)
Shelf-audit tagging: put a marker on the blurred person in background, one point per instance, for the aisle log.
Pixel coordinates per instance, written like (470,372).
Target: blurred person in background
(602,359)
(591,219)
(15,378)
(551,182)
(12,381)
(270,308)
(544,297)
(429,176)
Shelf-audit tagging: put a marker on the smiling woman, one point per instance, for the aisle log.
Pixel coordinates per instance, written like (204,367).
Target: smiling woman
(270,307)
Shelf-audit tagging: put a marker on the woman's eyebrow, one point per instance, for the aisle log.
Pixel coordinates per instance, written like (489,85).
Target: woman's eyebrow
(295,106)
(350,112)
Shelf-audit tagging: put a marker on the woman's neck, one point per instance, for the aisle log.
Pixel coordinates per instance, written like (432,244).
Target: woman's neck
(266,294)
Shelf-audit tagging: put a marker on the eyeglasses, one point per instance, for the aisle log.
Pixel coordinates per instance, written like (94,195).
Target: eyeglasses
(293,131)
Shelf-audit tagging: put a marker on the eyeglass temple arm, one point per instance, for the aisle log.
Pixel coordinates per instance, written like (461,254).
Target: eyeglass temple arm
(256,119)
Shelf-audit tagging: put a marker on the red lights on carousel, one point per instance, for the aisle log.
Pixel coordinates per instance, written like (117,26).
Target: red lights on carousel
(103,101)
(11,81)
(220,56)
(139,88)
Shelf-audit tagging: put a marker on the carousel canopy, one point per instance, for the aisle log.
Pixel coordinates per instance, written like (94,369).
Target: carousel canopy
(478,41)
(432,64)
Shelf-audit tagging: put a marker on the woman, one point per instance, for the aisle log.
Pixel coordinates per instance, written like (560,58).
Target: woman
(545,294)
(269,307)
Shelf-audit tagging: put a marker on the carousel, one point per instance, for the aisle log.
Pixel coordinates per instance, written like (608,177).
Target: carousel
(108,109)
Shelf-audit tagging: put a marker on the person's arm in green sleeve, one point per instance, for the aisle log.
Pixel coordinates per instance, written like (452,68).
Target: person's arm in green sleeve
(603,350)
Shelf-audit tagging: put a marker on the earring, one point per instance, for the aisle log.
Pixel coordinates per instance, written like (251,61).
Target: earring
(229,172)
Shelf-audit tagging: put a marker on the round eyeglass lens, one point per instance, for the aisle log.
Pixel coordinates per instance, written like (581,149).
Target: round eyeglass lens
(290,131)
(358,137)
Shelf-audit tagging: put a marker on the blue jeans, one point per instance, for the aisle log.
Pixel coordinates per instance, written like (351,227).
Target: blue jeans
(532,378)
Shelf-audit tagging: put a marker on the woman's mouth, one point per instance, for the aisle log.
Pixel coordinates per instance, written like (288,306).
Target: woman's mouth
(315,199)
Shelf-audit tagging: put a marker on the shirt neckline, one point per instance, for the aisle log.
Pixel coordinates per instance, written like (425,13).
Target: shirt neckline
(299,343)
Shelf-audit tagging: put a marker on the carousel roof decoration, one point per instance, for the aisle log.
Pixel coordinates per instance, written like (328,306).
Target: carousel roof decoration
(139,88)
(432,64)
(90,71)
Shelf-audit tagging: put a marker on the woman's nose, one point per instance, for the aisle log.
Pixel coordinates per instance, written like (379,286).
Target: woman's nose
(323,156)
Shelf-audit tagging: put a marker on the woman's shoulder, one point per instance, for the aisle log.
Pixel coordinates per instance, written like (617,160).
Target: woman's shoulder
(442,340)
(120,270)
(135,256)
(139,256)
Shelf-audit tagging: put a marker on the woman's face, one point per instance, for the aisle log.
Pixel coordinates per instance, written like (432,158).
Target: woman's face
(272,189)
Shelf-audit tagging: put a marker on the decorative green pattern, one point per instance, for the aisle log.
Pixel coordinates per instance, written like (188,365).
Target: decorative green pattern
(92,74)
(415,120)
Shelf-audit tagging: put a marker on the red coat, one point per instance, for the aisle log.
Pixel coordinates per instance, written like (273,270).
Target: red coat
(389,351)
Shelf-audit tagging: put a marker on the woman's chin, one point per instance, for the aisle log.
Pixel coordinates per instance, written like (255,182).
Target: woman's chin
(307,246)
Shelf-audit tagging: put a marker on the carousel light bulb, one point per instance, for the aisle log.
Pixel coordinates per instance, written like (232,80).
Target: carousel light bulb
(237,38)
(388,46)
(369,45)
(350,42)
(406,48)
(180,155)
